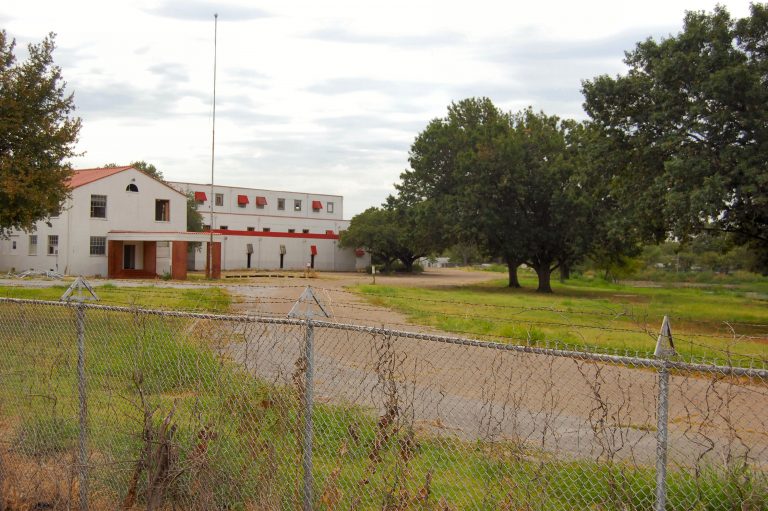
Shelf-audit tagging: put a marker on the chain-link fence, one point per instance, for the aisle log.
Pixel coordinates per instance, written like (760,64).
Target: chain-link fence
(122,408)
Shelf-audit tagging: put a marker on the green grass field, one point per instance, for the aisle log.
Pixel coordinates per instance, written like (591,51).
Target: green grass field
(208,299)
(710,322)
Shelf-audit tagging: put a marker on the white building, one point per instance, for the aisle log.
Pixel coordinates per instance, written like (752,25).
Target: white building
(270,229)
(119,222)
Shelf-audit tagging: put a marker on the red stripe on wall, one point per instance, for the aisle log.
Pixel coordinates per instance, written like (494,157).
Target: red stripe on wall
(310,236)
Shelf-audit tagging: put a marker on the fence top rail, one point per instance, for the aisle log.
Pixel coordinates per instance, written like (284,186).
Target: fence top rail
(625,360)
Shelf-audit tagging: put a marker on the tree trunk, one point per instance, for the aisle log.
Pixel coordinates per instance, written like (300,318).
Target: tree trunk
(544,273)
(565,272)
(408,263)
(512,266)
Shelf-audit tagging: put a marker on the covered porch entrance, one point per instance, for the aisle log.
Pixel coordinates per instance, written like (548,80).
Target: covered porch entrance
(145,255)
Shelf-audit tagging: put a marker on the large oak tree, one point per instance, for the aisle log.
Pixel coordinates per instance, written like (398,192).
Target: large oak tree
(37,136)
(686,129)
(511,183)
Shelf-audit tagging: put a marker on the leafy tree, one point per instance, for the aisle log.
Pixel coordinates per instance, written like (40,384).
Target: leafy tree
(396,231)
(194,217)
(37,134)
(444,168)
(686,129)
(148,169)
(510,183)
(373,230)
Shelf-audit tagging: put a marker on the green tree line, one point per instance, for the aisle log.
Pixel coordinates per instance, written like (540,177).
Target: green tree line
(674,149)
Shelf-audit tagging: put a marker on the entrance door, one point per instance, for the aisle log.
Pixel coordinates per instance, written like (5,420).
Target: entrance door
(129,257)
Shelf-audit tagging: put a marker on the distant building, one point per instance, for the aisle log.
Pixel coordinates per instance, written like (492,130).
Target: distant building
(436,262)
(119,222)
(272,229)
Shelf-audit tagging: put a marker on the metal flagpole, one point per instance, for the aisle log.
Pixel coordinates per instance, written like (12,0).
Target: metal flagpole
(209,256)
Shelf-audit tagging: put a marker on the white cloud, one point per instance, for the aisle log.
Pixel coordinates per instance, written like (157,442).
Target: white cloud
(319,96)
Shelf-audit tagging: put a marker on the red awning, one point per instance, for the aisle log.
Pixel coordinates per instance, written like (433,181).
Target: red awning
(242,199)
(200,197)
(316,204)
(313,249)
(261,201)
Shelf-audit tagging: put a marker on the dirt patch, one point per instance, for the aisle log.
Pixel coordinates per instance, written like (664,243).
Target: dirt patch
(274,296)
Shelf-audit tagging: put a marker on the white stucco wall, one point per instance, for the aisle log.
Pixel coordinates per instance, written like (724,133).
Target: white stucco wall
(230,205)
(125,211)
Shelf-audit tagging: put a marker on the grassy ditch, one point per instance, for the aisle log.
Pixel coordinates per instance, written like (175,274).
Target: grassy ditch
(174,422)
(720,323)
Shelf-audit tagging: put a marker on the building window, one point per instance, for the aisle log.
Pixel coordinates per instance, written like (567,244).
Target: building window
(223,227)
(297,205)
(162,210)
(266,229)
(13,245)
(251,229)
(206,227)
(98,206)
(281,204)
(291,230)
(305,231)
(53,244)
(329,207)
(33,244)
(98,245)
(132,188)
(219,199)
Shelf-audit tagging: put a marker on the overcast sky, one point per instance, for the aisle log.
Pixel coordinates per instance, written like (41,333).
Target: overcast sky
(319,96)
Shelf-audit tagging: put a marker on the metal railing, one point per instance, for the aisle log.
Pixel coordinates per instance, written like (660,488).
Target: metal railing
(162,409)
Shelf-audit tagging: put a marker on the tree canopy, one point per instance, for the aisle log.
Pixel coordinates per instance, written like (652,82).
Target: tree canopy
(510,183)
(396,231)
(38,133)
(686,129)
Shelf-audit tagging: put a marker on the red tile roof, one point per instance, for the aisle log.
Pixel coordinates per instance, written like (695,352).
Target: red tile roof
(85,176)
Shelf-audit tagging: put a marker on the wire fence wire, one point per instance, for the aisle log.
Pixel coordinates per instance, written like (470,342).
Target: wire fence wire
(178,410)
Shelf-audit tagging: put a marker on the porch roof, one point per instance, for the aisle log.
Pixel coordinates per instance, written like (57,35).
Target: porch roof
(162,236)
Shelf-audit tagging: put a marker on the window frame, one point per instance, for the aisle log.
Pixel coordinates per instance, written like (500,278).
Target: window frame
(96,208)
(53,245)
(102,246)
(297,204)
(329,207)
(167,210)
(218,199)
(281,203)
(32,244)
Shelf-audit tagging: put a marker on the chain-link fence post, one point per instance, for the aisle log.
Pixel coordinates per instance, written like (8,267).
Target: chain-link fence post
(307,497)
(303,308)
(82,468)
(664,349)
(78,292)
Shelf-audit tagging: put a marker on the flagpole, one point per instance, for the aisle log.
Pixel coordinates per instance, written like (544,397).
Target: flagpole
(209,266)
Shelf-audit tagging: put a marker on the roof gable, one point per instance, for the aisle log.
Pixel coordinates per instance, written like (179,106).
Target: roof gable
(82,177)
